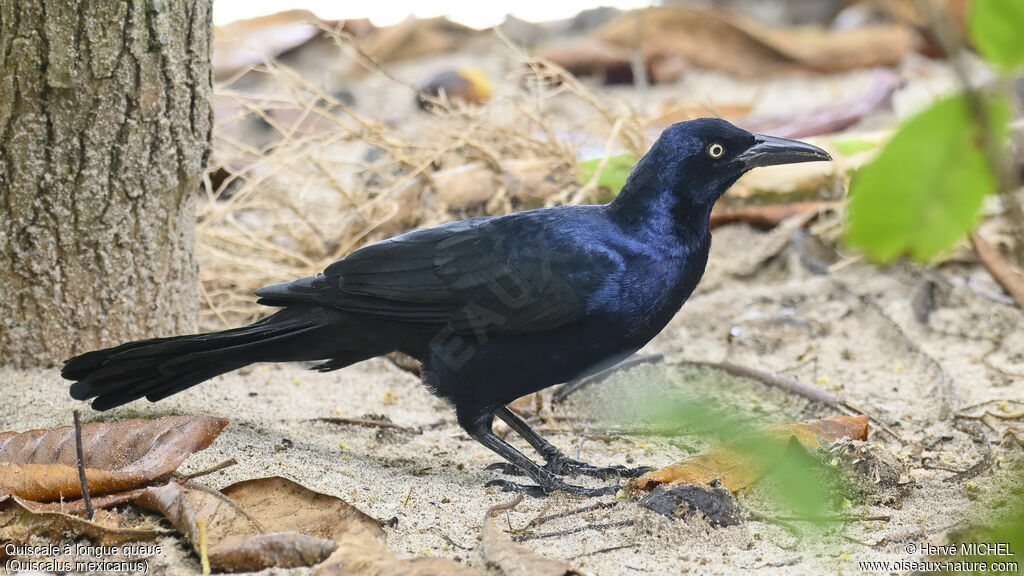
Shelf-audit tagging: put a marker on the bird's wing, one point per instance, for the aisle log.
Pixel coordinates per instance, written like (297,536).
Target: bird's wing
(483,276)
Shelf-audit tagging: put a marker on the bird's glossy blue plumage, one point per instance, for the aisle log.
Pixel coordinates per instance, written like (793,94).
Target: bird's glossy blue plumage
(494,308)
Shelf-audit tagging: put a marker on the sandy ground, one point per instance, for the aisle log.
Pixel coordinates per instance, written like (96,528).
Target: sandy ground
(852,332)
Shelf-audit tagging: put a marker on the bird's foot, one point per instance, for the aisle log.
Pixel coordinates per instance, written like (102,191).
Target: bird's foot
(550,486)
(562,465)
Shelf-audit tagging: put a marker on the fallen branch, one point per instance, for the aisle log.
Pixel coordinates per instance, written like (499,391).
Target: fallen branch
(207,471)
(365,422)
(793,386)
(766,215)
(90,511)
(542,519)
(818,519)
(999,268)
(578,529)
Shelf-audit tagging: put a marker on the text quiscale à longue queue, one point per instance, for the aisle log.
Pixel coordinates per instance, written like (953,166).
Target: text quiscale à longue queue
(83,549)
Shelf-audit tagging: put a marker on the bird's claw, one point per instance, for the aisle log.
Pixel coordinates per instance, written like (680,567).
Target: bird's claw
(552,486)
(561,466)
(506,468)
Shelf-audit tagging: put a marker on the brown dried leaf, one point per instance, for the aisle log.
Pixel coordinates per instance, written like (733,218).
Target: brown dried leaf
(515,560)
(240,540)
(43,465)
(739,468)
(20,520)
(268,522)
(730,42)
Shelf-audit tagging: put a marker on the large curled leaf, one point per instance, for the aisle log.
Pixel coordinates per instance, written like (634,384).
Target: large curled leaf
(924,190)
(260,523)
(43,464)
(997,27)
(274,522)
(738,464)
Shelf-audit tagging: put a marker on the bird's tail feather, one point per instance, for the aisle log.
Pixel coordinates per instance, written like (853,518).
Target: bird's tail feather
(159,367)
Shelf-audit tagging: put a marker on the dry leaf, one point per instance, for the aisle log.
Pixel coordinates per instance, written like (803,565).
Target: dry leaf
(723,40)
(274,522)
(415,38)
(237,540)
(515,560)
(738,468)
(43,465)
(20,520)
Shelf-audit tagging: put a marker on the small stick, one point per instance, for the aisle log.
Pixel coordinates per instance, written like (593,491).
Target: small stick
(603,551)
(204,560)
(766,215)
(90,511)
(884,518)
(538,536)
(542,519)
(365,422)
(407,496)
(795,387)
(999,268)
(217,468)
(504,507)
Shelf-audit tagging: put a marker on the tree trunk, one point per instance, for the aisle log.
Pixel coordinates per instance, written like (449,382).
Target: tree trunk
(105,121)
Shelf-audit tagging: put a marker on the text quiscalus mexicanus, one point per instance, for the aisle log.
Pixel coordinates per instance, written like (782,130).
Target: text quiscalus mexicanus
(494,308)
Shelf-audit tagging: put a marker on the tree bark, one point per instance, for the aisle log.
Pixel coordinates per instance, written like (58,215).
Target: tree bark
(105,122)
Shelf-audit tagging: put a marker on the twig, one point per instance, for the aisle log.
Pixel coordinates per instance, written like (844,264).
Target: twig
(204,560)
(999,268)
(502,507)
(767,215)
(569,387)
(365,422)
(90,511)
(241,511)
(407,496)
(604,551)
(795,387)
(542,519)
(205,472)
(835,519)
(578,529)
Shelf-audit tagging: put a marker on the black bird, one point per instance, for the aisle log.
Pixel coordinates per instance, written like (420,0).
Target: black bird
(494,308)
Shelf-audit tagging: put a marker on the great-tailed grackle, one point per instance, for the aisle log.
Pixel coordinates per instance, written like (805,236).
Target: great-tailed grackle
(494,308)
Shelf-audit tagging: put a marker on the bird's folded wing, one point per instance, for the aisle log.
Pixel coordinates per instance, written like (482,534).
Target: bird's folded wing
(471,276)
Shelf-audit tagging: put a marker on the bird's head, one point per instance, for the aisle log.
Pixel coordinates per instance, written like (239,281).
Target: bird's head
(704,157)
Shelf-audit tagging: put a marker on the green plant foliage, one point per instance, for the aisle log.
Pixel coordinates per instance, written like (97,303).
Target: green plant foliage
(997,27)
(924,190)
(851,146)
(612,178)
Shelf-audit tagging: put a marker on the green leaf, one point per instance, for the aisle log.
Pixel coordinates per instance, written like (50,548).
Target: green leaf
(851,146)
(923,191)
(614,175)
(997,27)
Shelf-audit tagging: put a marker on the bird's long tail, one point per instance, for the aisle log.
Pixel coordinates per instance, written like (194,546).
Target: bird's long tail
(159,367)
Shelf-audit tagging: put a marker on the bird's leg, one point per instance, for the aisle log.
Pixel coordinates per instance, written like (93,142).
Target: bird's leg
(555,461)
(479,427)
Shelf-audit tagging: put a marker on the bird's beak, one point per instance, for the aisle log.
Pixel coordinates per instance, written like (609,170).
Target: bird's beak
(769,151)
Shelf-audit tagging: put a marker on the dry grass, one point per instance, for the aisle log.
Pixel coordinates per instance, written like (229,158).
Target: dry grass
(334,178)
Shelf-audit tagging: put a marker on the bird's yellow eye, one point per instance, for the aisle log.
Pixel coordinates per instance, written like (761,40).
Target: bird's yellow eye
(716,150)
